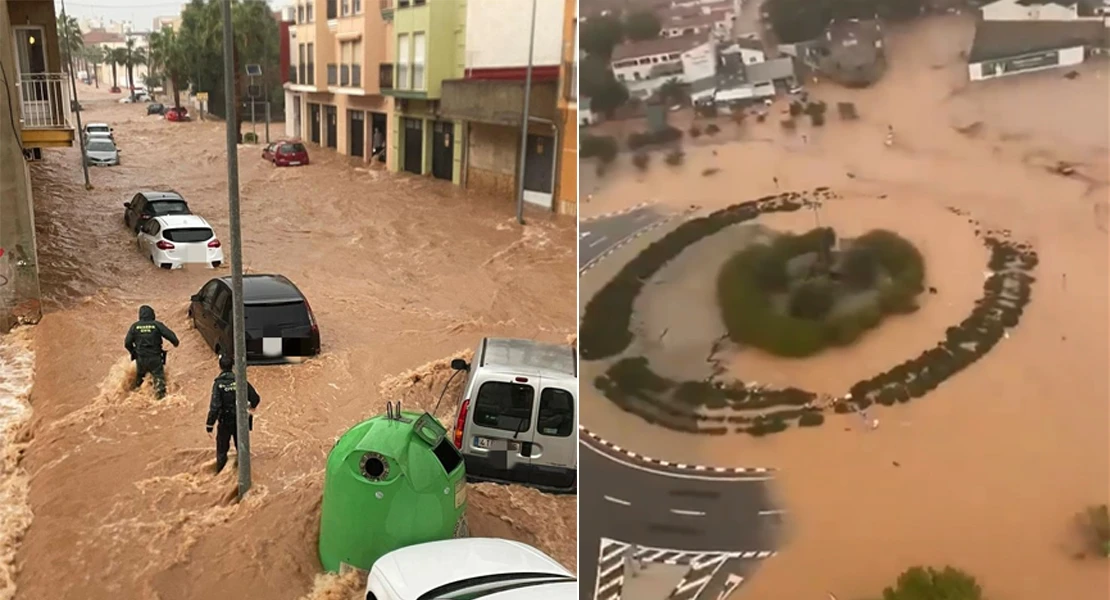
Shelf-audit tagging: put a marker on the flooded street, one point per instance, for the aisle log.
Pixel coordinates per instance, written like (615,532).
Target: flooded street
(987,472)
(402,273)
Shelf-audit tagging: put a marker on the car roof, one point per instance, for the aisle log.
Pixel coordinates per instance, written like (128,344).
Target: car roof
(180,221)
(154,196)
(519,356)
(415,570)
(267,288)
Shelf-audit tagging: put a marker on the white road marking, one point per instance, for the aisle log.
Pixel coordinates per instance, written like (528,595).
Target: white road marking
(597,241)
(677,475)
(688,513)
(618,501)
(764,513)
(731,584)
(584,234)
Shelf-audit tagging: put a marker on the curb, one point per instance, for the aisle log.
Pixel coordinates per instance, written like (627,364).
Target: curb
(585,434)
(615,213)
(645,230)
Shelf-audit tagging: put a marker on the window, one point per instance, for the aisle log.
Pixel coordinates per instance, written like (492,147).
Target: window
(505,406)
(356,6)
(345,7)
(331,9)
(168,207)
(556,416)
(189,235)
(222,304)
(151,227)
(208,294)
(300,13)
(403,62)
(288,314)
(418,42)
(308,13)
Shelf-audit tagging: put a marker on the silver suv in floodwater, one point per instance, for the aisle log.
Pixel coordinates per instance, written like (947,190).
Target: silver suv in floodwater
(517,418)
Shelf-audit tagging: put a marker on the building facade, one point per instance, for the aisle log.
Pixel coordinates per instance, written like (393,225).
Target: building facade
(334,97)
(566,189)
(1043,10)
(1003,48)
(38,100)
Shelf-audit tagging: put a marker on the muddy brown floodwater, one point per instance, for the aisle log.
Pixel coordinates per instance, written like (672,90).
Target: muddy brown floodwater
(986,472)
(402,272)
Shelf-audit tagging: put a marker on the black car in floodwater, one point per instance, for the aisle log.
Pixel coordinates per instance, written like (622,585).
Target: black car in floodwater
(155,108)
(280,326)
(144,206)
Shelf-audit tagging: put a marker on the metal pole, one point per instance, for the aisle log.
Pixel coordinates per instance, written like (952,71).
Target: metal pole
(76,104)
(241,416)
(267,121)
(254,124)
(524,119)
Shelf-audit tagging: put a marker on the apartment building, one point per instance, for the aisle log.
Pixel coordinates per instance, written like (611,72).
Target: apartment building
(429,42)
(334,97)
(36,105)
(566,190)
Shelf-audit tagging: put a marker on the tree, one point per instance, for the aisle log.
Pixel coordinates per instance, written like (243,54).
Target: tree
(132,57)
(169,61)
(606,94)
(801,20)
(600,35)
(69,40)
(673,91)
(927,583)
(96,56)
(116,57)
(642,25)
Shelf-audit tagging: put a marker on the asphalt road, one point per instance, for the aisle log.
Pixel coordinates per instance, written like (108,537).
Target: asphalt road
(597,236)
(690,518)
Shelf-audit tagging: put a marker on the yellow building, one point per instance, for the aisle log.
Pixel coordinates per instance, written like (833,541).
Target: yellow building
(566,190)
(339,54)
(37,100)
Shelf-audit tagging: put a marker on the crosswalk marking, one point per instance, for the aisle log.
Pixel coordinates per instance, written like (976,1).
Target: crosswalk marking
(700,574)
(703,567)
(610,570)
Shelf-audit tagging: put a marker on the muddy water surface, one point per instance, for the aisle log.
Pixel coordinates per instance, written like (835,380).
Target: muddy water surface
(400,272)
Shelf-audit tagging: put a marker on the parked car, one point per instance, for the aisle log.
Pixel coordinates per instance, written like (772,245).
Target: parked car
(155,108)
(174,241)
(470,568)
(101,152)
(290,154)
(498,412)
(149,204)
(177,113)
(101,129)
(270,149)
(280,325)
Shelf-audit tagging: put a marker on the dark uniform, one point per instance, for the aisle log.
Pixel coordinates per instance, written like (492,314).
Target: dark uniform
(222,409)
(144,343)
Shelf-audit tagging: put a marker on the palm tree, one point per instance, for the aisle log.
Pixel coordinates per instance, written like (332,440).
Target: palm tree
(69,39)
(169,56)
(132,57)
(96,56)
(116,57)
(673,90)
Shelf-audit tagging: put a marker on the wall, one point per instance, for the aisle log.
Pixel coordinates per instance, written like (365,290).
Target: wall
(19,297)
(498,31)
(35,12)
(644,66)
(566,178)
(1067,57)
(699,63)
(1010,10)
(492,159)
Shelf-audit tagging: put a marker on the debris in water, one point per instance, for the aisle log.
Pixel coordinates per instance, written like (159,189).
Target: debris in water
(710,171)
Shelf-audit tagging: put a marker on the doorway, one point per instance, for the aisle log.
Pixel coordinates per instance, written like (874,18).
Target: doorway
(30,55)
(414,145)
(297,117)
(329,112)
(443,150)
(378,133)
(314,123)
(357,128)
(539,170)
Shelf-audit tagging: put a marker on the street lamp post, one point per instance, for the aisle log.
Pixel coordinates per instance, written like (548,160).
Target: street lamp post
(524,119)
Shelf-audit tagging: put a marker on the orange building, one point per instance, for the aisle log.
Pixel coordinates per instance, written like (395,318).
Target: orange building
(566,200)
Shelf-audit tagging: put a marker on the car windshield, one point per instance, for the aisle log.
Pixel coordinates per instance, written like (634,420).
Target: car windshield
(101,146)
(97,129)
(187,235)
(169,207)
(283,314)
(292,148)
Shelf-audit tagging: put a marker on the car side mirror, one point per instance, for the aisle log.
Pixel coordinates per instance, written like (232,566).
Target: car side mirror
(459,364)
(195,298)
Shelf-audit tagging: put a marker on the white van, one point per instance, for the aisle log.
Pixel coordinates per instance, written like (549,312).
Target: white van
(470,568)
(517,418)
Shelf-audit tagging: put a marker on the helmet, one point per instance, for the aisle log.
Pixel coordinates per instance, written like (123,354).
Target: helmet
(226,362)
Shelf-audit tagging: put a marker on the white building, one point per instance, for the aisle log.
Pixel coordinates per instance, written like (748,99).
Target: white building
(750,51)
(715,16)
(586,116)
(1044,10)
(508,48)
(651,59)
(1004,48)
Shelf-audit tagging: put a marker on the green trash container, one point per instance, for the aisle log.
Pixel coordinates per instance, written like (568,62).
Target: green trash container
(392,481)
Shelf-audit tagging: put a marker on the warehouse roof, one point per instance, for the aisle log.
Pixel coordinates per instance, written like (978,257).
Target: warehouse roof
(1005,39)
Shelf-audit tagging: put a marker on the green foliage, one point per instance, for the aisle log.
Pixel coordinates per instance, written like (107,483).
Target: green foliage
(641,160)
(250,138)
(598,83)
(927,583)
(603,147)
(641,25)
(859,268)
(811,419)
(796,21)
(673,91)
(675,157)
(796,109)
(70,41)
(817,119)
(1095,527)
(695,131)
(665,136)
(599,35)
(813,299)
(712,129)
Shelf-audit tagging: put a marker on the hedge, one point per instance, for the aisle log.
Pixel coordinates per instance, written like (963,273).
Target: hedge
(603,147)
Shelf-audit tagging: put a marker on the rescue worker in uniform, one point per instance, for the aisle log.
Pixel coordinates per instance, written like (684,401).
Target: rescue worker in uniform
(144,343)
(221,409)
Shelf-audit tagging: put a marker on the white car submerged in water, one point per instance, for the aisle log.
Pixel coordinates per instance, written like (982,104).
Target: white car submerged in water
(174,241)
(470,569)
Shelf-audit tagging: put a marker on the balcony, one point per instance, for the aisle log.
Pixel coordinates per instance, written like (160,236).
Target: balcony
(45,102)
(496,102)
(387,6)
(385,75)
(333,74)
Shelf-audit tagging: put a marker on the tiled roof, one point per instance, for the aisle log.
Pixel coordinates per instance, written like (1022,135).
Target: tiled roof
(657,46)
(1005,39)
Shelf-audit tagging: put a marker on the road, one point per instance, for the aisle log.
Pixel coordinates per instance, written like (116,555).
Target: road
(599,236)
(713,522)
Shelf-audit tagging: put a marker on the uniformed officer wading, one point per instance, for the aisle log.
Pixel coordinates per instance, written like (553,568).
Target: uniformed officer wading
(144,343)
(222,410)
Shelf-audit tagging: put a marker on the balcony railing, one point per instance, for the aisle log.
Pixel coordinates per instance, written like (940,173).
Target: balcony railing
(333,73)
(356,75)
(311,74)
(344,75)
(301,79)
(44,101)
(385,76)
(291,77)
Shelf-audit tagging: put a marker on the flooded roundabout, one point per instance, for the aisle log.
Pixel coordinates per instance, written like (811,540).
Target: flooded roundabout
(402,274)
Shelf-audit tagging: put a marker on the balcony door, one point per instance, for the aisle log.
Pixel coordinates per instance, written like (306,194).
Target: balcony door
(30,52)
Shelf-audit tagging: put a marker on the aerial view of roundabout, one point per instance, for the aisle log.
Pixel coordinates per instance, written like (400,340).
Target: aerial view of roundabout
(706,333)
